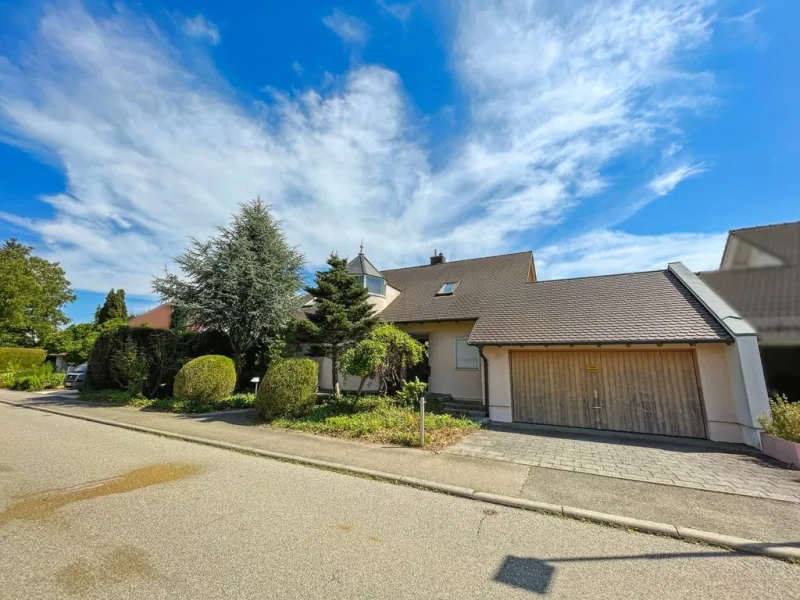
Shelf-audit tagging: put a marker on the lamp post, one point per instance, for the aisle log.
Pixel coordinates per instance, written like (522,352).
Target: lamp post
(255,380)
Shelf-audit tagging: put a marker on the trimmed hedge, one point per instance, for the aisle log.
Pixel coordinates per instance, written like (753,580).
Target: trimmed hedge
(121,354)
(21,358)
(289,389)
(205,379)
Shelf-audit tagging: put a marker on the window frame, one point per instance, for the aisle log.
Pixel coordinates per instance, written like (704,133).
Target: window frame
(451,292)
(455,355)
(363,280)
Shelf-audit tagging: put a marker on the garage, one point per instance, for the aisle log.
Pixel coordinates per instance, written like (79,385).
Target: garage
(642,391)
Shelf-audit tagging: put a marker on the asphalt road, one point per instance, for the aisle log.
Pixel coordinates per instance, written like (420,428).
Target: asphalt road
(91,511)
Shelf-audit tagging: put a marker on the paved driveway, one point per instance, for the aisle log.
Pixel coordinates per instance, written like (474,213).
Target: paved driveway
(685,465)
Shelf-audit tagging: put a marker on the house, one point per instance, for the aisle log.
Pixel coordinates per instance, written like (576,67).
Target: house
(655,352)
(159,317)
(759,276)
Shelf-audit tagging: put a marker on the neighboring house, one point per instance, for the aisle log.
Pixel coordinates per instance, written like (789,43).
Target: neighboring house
(159,317)
(759,276)
(656,352)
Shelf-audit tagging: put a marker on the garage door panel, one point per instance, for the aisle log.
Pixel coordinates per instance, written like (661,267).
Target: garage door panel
(641,391)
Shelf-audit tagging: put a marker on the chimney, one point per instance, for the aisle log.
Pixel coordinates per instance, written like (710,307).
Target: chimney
(437,259)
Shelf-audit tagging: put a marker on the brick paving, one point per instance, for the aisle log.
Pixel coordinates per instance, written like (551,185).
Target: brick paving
(684,465)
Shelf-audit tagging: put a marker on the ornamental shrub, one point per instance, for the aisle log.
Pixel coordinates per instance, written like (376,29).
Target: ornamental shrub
(410,393)
(784,422)
(20,359)
(29,383)
(205,379)
(289,389)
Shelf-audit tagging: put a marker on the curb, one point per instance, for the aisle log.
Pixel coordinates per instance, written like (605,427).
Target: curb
(779,552)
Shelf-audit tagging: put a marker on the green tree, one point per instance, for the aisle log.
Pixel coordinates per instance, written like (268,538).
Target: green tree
(114,307)
(242,282)
(384,353)
(343,316)
(32,293)
(78,339)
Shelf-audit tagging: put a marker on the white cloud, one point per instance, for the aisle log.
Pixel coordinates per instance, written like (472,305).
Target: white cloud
(350,29)
(603,252)
(202,28)
(399,10)
(297,68)
(663,184)
(153,155)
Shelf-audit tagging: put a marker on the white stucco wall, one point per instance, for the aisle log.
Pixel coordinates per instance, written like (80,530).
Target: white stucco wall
(381,302)
(444,377)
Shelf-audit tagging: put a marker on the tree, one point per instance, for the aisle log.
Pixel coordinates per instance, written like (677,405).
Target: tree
(113,308)
(384,353)
(242,282)
(343,316)
(32,293)
(77,340)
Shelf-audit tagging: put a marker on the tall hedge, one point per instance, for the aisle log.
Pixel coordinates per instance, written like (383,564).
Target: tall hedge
(120,354)
(205,379)
(289,389)
(21,358)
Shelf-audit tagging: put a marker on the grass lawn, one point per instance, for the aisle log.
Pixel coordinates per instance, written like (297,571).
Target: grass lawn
(125,398)
(376,419)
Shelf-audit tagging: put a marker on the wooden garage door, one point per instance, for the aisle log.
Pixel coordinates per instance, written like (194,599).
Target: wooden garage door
(645,391)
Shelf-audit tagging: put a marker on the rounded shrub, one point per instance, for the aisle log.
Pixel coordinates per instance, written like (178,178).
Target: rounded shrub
(205,379)
(289,389)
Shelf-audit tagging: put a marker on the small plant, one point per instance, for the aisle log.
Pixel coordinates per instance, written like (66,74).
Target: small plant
(289,389)
(784,422)
(410,393)
(205,380)
(29,383)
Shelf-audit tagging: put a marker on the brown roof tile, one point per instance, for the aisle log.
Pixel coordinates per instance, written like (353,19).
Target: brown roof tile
(630,308)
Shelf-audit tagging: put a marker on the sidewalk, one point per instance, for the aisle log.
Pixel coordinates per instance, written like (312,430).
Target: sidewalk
(753,518)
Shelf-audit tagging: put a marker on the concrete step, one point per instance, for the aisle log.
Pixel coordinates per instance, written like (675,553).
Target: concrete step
(466,414)
(462,405)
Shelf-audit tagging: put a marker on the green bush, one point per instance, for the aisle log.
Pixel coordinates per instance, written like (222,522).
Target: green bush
(29,383)
(148,360)
(7,380)
(18,359)
(205,379)
(410,393)
(53,381)
(289,389)
(784,421)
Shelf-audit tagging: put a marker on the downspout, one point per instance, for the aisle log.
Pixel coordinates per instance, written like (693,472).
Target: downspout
(485,379)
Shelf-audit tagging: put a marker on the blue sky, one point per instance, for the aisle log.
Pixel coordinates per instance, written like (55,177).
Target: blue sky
(606,136)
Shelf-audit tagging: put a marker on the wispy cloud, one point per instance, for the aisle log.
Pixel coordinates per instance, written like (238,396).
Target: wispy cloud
(350,29)
(202,28)
(297,68)
(152,154)
(399,10)
(664,183)
(746,26)
(606,251)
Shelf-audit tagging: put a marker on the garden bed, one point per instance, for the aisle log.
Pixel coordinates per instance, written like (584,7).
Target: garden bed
(378,420)
(125,398)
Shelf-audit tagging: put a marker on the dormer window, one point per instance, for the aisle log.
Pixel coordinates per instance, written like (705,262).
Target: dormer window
(367,274)
(447,289)
(374,285)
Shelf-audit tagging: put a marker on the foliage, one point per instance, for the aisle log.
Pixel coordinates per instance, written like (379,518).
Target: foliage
(77,340)
(784,422)
(242,282)
(179,321)
(32,293)
(126,398)
(113,309)
(34,379)
(378,420)
(364,360)
(18,359)
(29,383)
(164,352)
(289,389)
(343,315)
(205,379)
(410,393)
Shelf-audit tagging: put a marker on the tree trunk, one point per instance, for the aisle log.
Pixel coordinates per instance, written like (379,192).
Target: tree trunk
(335,373)
(361,387)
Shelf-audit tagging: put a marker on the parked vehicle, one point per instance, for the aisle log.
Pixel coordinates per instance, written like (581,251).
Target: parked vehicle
(76,379)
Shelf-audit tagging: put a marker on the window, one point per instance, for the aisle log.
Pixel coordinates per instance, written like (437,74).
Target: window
(447,289)
(375,285)
(467,357)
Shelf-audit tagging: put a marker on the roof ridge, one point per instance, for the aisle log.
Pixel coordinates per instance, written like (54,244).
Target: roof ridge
(451,262)
(764,226)
(599,276)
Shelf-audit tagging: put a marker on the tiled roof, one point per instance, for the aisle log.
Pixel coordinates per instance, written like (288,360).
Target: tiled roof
(360,265)
(768,297)
(483,283)
(630,308)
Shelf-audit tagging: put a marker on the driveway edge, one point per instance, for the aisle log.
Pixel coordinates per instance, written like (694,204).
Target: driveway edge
(777,551)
